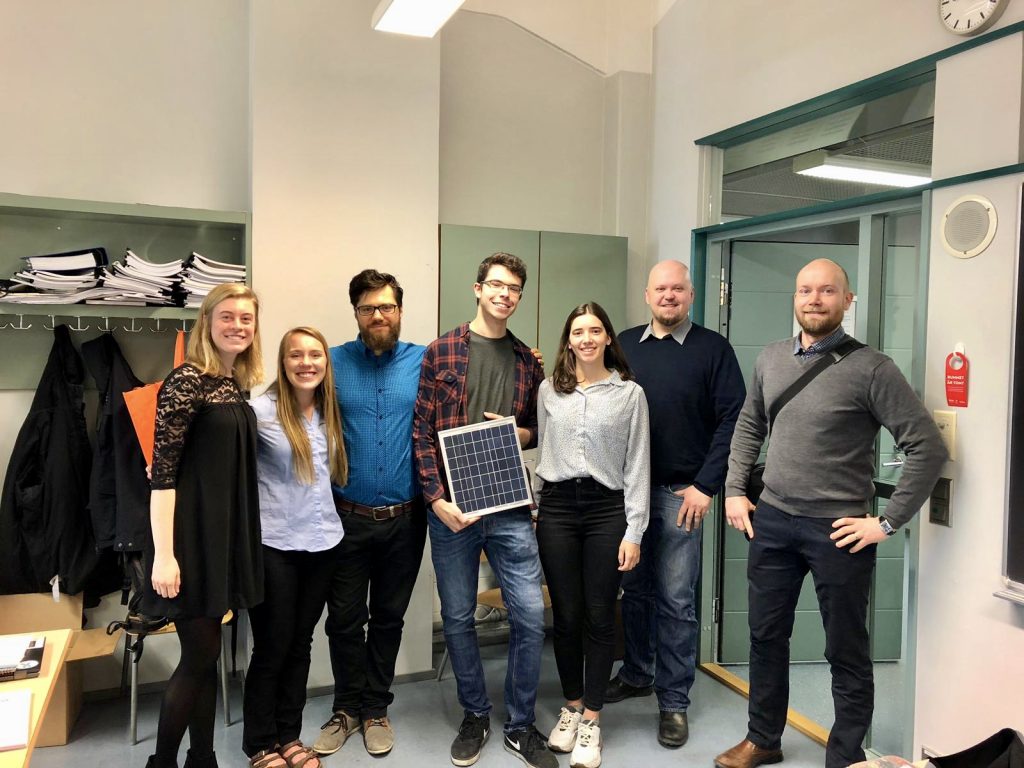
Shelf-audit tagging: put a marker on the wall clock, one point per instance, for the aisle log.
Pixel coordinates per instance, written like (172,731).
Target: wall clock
(969,17)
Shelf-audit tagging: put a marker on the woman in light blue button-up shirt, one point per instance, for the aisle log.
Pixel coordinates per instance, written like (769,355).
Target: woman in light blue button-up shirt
(300,451)
(594,472)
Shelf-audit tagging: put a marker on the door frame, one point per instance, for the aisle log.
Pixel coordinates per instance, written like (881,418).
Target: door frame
(708,266)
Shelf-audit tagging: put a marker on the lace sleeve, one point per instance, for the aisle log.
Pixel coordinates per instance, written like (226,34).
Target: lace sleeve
(179,399)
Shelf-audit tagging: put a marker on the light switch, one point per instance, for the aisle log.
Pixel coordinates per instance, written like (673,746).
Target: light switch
(946,422)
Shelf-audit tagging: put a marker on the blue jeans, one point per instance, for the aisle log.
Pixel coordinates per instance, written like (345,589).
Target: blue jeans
(658,606)
(511,547)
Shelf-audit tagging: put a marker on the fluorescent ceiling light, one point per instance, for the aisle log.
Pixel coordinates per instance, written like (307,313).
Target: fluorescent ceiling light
(865,170)
(420,18)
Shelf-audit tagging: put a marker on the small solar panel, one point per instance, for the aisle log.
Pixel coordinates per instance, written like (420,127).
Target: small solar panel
(485,467)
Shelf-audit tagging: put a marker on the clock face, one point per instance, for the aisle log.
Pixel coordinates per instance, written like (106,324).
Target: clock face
(968,17)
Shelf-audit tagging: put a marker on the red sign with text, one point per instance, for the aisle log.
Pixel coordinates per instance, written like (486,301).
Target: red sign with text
(957,377)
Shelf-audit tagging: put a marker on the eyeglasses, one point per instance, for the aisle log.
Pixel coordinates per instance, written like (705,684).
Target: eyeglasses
(367,310)
(497,285)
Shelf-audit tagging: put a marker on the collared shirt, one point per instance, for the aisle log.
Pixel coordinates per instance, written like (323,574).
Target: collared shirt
(377,394)
(602,432)
(293,515)
(441,402)
(678,333)
(819,347)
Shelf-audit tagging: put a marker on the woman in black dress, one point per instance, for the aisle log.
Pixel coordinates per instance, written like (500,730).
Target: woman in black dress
(205,556)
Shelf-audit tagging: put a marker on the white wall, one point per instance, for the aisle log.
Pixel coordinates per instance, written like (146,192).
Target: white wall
(974,639)
(717,65)
(532,138)
(609,35)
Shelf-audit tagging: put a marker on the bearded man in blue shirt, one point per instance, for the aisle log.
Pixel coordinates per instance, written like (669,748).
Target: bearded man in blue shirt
(376,377)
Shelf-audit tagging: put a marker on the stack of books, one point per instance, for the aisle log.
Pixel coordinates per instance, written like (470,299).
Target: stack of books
(202,274)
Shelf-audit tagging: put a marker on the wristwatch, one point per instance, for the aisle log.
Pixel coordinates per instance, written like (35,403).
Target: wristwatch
(887,528)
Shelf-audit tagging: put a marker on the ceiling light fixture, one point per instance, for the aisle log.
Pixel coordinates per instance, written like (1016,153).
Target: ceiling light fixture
(865,170)
(419,18)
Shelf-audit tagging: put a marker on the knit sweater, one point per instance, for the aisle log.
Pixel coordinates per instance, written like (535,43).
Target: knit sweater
(821,455)
(694,393)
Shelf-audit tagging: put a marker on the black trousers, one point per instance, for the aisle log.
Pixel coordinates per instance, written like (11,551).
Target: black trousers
(296,585)
(368,597)
(579,530)
(784,548)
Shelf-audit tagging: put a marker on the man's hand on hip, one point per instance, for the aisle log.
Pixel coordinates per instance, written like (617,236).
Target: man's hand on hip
(859,531)
(451,515)
(693,509)
(737,513)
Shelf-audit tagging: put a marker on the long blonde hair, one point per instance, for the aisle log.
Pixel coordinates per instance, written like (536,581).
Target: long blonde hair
(248,369)
(326,402)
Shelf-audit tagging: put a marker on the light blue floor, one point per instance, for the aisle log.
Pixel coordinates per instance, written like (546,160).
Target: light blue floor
(426,716)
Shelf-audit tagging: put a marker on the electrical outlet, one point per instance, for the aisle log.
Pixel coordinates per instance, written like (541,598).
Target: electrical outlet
(946,422)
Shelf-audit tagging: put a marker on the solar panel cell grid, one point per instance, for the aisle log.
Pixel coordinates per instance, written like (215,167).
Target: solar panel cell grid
(485,467)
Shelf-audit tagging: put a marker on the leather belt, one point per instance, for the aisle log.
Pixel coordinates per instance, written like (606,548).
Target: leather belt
(377,514)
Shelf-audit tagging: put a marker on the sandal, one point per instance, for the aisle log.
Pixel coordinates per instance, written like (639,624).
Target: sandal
(267,758)
(299,755)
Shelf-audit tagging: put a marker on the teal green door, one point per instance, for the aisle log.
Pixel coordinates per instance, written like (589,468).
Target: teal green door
(887,272)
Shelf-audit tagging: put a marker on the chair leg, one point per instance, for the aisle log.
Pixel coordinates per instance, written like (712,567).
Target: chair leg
(224,693)
(132,722)
(443,664)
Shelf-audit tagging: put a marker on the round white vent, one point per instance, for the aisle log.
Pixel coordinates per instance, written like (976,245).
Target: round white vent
(968,226)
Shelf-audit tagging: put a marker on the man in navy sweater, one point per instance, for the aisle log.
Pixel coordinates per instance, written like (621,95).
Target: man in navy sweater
(694,391)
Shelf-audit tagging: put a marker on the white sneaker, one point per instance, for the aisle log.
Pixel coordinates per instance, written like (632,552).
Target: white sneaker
(587,752)
(563,735)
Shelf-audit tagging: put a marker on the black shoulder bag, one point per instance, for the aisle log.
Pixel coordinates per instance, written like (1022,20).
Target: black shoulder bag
(755,482)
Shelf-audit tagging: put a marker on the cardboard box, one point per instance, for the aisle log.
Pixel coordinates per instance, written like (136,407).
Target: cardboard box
(37,612)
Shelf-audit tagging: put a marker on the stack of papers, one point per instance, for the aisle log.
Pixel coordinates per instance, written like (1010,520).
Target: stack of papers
(203,274)
(56,278)
(15,714)
(135,281)
(138,282)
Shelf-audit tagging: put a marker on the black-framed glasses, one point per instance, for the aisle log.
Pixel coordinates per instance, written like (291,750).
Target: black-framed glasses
(367,310)
(497,285)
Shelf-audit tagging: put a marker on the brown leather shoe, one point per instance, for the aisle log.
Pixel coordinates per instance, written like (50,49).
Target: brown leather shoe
(747,754)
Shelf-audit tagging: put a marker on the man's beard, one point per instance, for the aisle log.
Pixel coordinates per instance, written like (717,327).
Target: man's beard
(819,327)
(377,342)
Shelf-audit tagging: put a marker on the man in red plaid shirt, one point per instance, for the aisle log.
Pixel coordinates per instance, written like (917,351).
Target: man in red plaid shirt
(476,372)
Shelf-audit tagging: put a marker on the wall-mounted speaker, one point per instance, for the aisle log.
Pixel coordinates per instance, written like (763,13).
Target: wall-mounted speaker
(968,226)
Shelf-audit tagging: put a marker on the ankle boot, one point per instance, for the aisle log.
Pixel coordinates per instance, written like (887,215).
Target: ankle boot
(151,762)
(204,761)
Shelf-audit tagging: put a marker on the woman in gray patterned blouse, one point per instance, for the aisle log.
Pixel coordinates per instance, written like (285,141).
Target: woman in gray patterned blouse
(594,478)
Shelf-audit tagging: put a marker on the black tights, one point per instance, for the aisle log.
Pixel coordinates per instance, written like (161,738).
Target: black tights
(190,700)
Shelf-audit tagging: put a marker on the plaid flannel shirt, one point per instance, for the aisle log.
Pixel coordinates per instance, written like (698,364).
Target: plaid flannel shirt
(441,402)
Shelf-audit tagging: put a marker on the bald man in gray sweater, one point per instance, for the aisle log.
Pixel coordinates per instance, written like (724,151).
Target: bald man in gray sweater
(813,514)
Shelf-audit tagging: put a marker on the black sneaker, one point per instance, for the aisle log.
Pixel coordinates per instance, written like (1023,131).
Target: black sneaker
(530,747)
(472,736)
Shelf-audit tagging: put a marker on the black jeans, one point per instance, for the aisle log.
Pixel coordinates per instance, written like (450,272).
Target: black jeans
(784,548)
(579,530)
(295,593)
(379,560)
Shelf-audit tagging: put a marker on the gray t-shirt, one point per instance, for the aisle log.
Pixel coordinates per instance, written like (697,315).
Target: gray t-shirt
(490,377)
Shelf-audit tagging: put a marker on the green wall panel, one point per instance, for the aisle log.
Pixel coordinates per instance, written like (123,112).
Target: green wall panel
(462,250)
(574,269)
